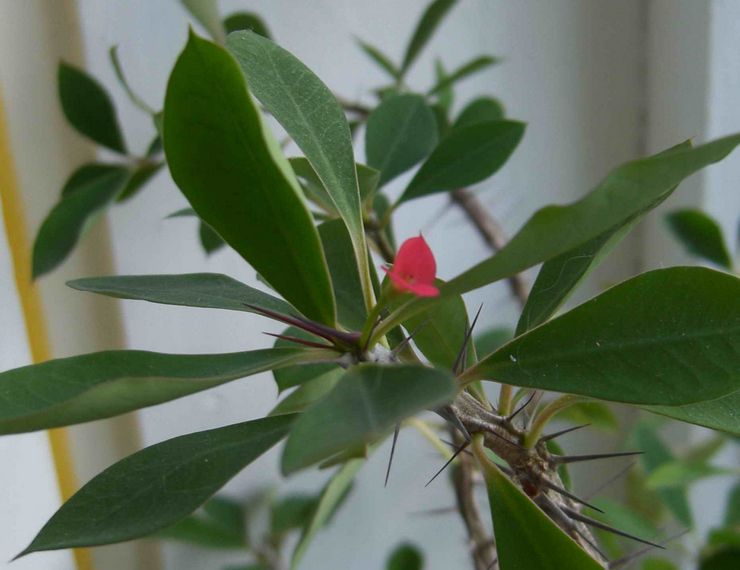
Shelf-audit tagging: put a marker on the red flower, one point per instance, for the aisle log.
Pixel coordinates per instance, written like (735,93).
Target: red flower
(414,269)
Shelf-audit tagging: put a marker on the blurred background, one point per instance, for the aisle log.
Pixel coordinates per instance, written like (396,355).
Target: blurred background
(598,82)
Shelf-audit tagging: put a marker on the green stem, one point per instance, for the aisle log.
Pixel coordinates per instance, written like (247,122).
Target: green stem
(504,400)
(546,414)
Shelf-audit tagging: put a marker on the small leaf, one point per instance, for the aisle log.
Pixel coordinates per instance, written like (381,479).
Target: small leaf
(83,388)
(466,156)
(400,132)
(89,108)
(652,354)
(367,402)
(405,557)
(228,166)
(466,70)
(292,512)
(311,115)
(220,524)
(526,538)
(701,235)
(680,474)
(207,14)
(246,21)
(480,110)
(445,97)
(90,190)
(596,414)
(492,339)
(332,497)
(205,290)
(430,20)
(210,241)
(158,485)
(382,60)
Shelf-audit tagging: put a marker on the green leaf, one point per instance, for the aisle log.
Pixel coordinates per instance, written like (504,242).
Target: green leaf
(492,339)
(678,343)
(332,496)
(400,132)
(291,376)
(526,538)
(220,524)
(311,115)
(629,190)
(721,414)
(732,512)
(309,391)
(344,276)
(157,486)
(701,235)
(225,161)
(596,414)
(622,517)
(656,454)
(480,110)
(723,559)
(88,107)
(292,512)
(246,21)
(139,178)
(445,97)
(405,557)
(207,14)
(205,290)
(88,192)
(681,474)
(430,20)
(210,241)
(368,401)
(382,60)
(100,385)
(658,564)
(465,70)
(466,156)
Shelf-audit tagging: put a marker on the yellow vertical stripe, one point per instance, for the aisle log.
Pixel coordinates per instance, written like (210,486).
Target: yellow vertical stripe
(38,338)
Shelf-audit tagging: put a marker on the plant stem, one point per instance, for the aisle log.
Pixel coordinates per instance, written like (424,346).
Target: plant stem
(546,414)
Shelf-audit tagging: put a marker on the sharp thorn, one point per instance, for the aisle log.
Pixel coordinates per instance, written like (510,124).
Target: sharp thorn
(466,451)
(563,459)
(462,448)
(448,413)
(307,325)
(521,408)
(635,555)
(566,493)
(297,340)
(401,345)
(591,543)
(611,480)
(576,516)
(393,451)
(552,436)
(435,512)
(459,365)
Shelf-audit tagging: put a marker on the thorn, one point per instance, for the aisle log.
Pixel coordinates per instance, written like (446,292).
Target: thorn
(552,436)
(462,448)
(313,327)
(611,480)
(459,365)
(435,512)
(297,340)
(393,450)
(466,451)
(520,408)
(561,459)
(635,555)
(408,339)
(566,493)
(448,413)
(576,516)
(591,543)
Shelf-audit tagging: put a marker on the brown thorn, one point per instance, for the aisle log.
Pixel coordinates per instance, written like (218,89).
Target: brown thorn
(566,493)
(297,340)
(307,325)
(552,436)
(605,527)
(462,448)
(521,408)
(635,555)
(611,480)
(393,450)
(564,459)
(409,338)
(459,365)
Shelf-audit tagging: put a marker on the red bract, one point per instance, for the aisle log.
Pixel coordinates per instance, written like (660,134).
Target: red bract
(414,269)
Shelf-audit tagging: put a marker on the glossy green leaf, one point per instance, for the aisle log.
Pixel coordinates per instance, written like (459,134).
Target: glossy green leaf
(246,21)
(225,161)
(88,107)
(332,496)
(104,384)
(400,132)
(210,241)
(121,76)
(480,110)
(656,454)
(367,402)
(700,235)
(721,414)
(629,190)
(206,12)
(492,339)
(466,156)
(445,97)
(678,343)
(464,71)
(596,414)
(292,512)
(205,290)
(382,60)
(681,474)
(345,278)
(220,523)
(405,557)
(308,111)
(157,486)
(89,191)
(526,538)
(430,20)
(291,376)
